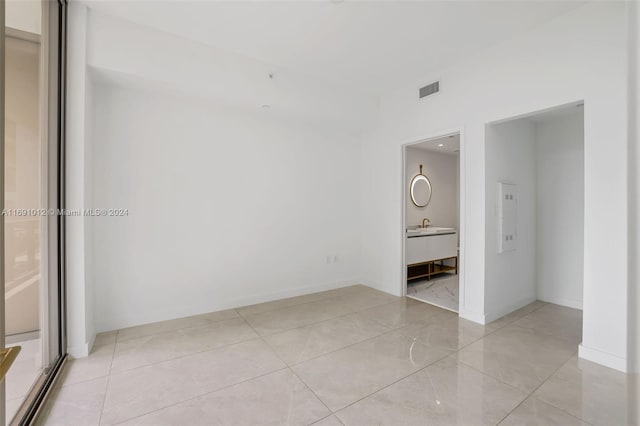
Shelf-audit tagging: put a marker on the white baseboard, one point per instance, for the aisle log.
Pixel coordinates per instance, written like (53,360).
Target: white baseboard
(575,304)
(83,350)
(602,358)
(473,316)
(378,286)
(206,307)
(492,316)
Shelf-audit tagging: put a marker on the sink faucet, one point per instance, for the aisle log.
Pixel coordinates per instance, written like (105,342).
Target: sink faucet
(427,222)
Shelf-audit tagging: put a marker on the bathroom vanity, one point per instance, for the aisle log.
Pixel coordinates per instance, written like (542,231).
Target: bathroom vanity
(430,251)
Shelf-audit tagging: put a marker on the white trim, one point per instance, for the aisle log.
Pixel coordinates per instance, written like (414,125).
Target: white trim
(473,316)
(492,316)
(602,358)
(461,205)
(83,350)
(575,304)
(184,312)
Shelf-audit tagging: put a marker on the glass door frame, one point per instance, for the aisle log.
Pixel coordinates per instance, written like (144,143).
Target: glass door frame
(53,115)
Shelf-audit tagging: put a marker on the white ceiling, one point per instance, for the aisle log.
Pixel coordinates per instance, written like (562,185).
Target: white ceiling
(450,145)
(371,46)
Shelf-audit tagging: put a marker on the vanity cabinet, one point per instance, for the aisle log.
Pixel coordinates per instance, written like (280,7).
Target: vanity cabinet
(427,255)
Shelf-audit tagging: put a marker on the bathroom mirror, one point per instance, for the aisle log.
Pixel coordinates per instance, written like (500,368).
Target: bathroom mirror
(420,189)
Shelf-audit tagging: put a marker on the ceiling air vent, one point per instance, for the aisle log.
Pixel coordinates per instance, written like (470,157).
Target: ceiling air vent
(429,89)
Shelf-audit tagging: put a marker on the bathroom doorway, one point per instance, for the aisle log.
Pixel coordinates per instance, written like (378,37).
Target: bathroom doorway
(431,218)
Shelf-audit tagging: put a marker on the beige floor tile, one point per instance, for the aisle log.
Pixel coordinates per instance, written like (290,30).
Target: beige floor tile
(452,334)
(534,412)
(301,344)
(559,321)
(297,316)
(329,421)
(348,289)
(139,351)
(161,327)
(445,393)
(593,393)
(106,338)
(364,299)
(142,390)
(517,314)
(75,405)
(278,398)
(280,303)
(176,324)
(97,364)
(12,406)
(408,313)
(347,375)
(219,315)
(370,357)
(521,357)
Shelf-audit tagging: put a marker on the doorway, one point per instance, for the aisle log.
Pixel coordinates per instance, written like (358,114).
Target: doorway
(431,231)
(534,245)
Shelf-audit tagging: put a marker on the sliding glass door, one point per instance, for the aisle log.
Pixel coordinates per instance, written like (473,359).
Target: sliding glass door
(32,321)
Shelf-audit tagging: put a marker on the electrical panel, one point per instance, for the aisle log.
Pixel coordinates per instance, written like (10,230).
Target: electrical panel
(507,209)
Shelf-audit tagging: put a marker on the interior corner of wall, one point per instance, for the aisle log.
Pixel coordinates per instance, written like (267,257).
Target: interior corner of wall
(473,316)
(603,358)
(82,350)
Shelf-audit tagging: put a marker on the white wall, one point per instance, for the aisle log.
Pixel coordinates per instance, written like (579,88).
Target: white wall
(510,277)
(442,171)
(578,56)
(560,209)
(226,208)
(304,149)
(634,196)
(80,309)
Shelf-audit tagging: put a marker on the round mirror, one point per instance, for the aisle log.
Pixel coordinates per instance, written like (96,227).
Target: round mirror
(420,189)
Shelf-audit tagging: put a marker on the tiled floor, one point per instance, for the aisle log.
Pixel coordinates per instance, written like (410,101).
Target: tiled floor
(22,375)
(442,292)
(353,356)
